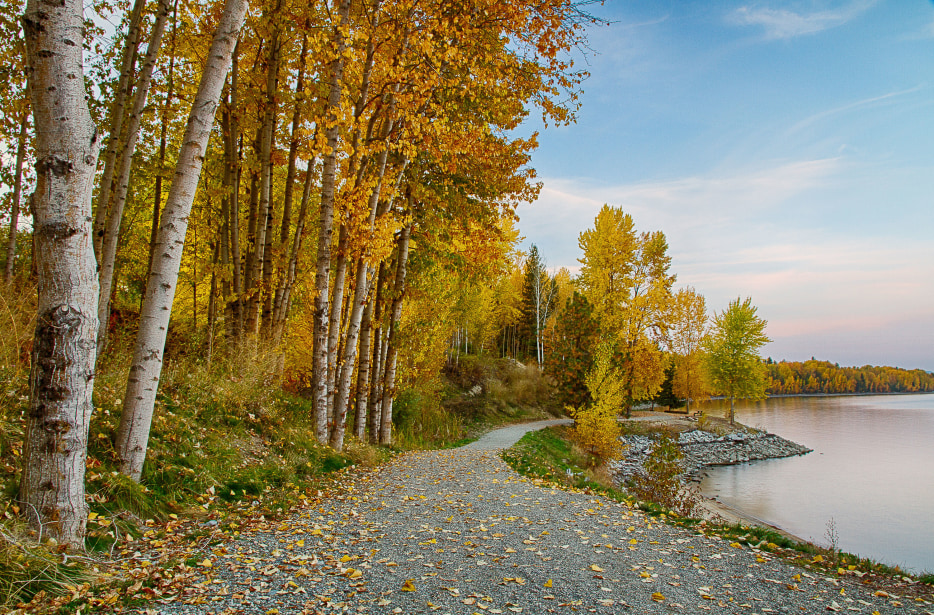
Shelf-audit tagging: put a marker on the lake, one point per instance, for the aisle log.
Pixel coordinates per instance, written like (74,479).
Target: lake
(871,472)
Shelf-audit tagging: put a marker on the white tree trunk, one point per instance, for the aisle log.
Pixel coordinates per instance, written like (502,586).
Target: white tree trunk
(108,254)
(138,403)
(62,377)
(389,384)
(363,284)
(115,136)
(325,229)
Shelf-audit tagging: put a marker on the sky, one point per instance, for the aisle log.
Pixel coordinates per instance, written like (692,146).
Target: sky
(786,150)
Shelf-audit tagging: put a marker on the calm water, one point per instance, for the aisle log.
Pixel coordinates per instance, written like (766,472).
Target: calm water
(872,472)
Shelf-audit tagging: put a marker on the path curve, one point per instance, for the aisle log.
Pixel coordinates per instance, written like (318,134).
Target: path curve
(504,437)
(458,532)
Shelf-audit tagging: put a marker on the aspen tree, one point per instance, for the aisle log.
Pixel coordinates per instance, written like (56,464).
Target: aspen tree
(117,117)
(392,352)
(733,363)
(62,376)
(685,336)
(140,397)
(325,225)
(111,231)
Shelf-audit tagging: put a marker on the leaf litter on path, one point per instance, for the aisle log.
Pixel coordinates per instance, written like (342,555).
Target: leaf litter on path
(459,532)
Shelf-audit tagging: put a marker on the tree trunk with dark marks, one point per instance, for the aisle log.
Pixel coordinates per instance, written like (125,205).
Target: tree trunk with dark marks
(64,349)
(108,254)
(140,397)
(379,351)
(389,380)
(363,282)
(363,370)
(325,228)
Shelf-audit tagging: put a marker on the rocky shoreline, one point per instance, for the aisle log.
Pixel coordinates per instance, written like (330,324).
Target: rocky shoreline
(703,448)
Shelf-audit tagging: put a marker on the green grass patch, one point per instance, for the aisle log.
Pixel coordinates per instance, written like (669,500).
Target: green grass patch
(550,455)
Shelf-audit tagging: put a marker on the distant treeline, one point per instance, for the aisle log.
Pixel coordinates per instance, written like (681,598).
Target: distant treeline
(792,377)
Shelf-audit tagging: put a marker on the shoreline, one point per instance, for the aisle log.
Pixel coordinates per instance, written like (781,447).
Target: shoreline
(703,449)
(719,512)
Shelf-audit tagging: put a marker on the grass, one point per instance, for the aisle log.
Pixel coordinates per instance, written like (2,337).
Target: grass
(551,455)
(223,439)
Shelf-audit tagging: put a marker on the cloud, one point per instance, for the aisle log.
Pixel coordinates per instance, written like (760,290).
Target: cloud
(754,233)
(784,23)
(887,98)
(684,203)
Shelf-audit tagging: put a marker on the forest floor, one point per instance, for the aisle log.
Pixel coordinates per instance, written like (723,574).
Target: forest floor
(458,531)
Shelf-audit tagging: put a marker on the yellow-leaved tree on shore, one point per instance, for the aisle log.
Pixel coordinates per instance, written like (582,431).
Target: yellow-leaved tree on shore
(687,330)
(624,275)
(595,424)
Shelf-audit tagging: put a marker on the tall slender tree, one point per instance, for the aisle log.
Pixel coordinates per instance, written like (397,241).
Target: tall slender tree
(62,376)
(140,397)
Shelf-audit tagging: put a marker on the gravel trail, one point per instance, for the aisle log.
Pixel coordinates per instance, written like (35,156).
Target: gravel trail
(458,532)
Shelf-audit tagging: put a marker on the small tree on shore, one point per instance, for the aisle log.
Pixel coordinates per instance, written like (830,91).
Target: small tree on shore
(596,424)
(732,360)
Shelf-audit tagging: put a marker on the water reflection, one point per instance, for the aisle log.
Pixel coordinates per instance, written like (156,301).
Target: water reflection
(872,471)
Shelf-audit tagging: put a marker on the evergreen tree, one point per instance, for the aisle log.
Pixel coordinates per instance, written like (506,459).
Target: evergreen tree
(666,395)
(571,358)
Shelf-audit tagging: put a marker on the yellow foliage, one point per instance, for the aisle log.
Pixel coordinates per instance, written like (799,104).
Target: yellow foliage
(596,425)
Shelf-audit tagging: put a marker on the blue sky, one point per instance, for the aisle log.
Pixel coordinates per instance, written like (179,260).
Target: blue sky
(785,148)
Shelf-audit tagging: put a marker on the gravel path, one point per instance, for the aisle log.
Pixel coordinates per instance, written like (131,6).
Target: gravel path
(457,531)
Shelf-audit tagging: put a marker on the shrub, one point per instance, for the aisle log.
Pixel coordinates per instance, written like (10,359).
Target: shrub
(660,481)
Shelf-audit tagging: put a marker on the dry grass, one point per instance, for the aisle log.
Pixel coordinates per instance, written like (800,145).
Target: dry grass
(17,325)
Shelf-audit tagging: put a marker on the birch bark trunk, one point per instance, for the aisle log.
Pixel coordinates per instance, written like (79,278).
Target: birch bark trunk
(389,383)
(283,293)
(285,260)
(363,282)
(62,377)
(261,266)
(138,403)
(363,371)
(163,137)
(17,196)
(232,159)
(325,229)
(108,254)
(115,136)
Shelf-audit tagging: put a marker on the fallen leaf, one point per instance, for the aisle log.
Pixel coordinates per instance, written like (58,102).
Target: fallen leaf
(658,597)
(408,586)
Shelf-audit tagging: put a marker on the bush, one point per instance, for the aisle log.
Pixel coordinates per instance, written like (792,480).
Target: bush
(660,481)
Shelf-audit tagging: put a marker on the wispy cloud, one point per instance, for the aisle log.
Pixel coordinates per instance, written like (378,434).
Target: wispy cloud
(887,98)
(785,23)
(756,233)
(684,203)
